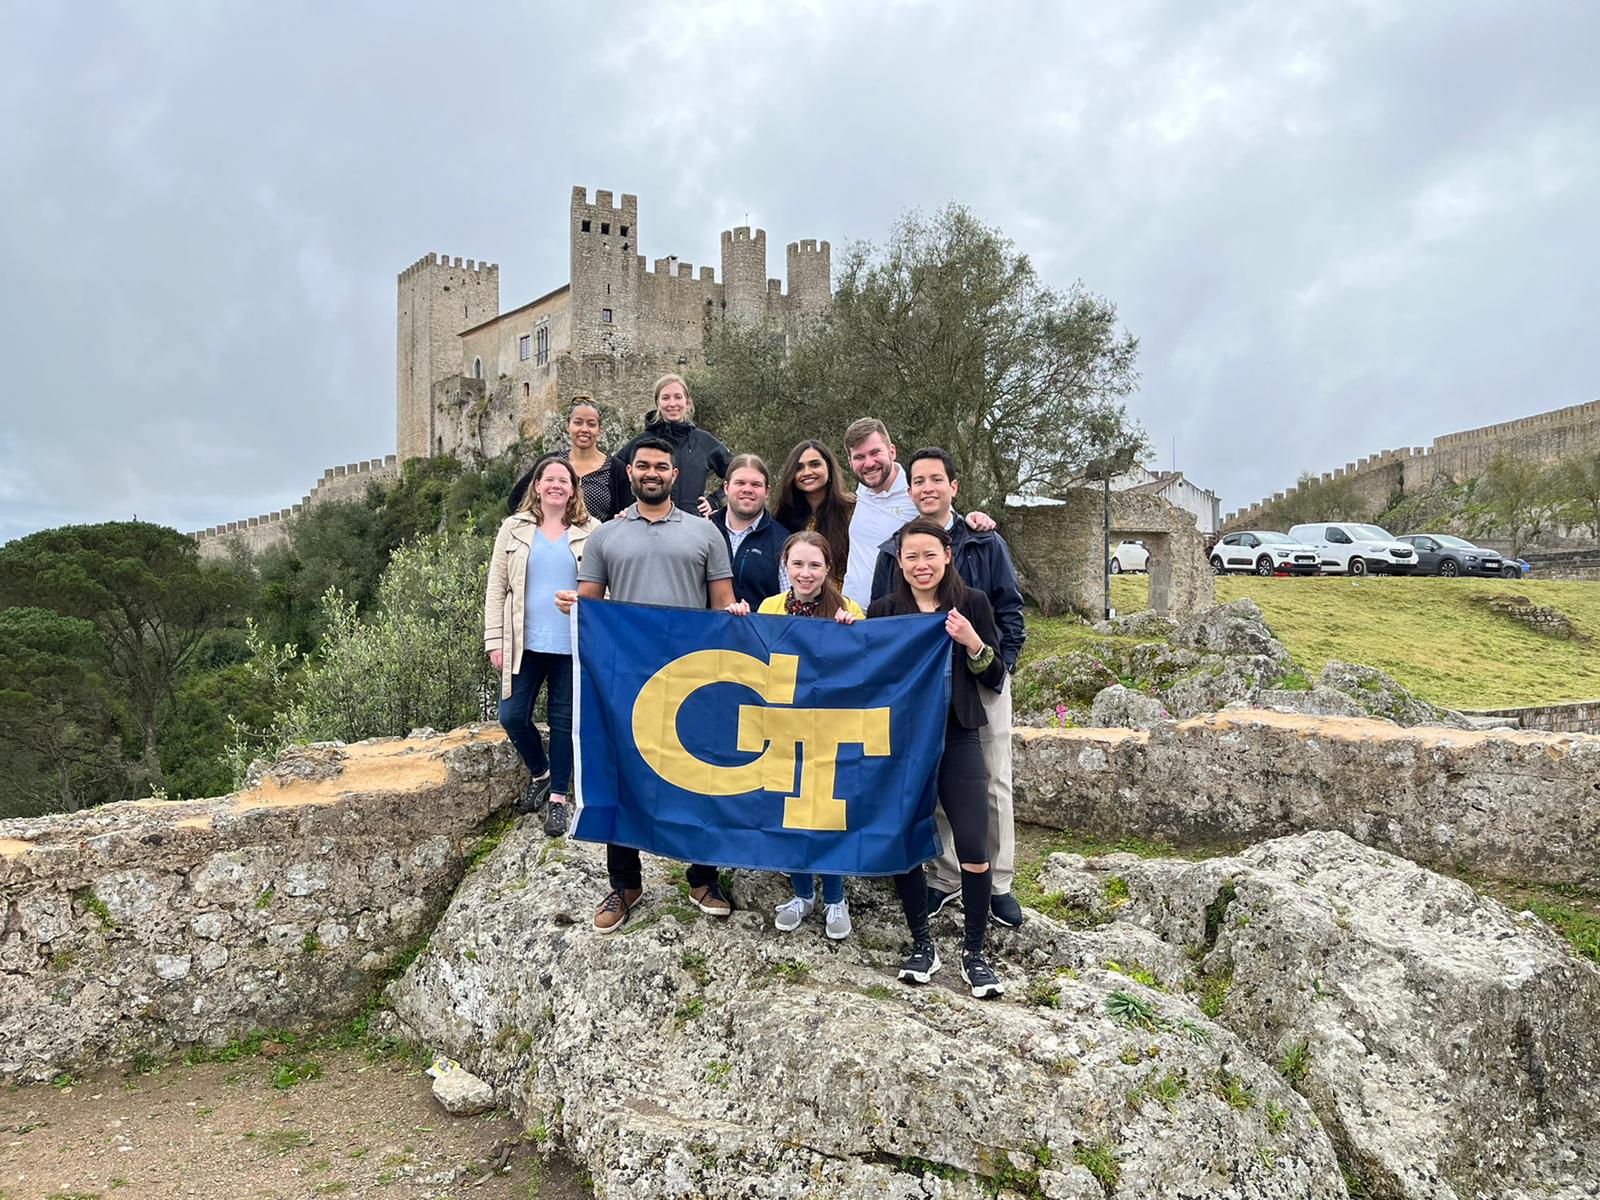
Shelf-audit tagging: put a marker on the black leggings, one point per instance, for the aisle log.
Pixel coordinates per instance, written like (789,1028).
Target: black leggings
(964,794)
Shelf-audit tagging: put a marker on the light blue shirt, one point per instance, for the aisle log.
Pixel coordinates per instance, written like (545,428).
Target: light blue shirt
(550,569)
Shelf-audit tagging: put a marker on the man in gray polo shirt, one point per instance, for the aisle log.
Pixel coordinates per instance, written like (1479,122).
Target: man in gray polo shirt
(655,553)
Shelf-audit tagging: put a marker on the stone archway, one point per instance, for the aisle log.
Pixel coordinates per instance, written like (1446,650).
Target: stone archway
(1059,552)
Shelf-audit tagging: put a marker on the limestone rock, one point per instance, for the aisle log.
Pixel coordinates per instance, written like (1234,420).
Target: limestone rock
(1234,628)
(1382,697)
(1123,708)
(462,1093)
(689,1057)
(1318,701)
(1450,1047)
(1226,680)
(1145,624)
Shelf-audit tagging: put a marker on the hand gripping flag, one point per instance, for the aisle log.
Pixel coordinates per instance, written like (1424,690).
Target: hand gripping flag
(779,743)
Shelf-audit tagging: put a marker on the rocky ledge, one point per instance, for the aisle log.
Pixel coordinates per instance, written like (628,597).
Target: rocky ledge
(1304,1019)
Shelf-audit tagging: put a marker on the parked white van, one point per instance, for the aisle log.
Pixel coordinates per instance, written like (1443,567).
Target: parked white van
(1350,548)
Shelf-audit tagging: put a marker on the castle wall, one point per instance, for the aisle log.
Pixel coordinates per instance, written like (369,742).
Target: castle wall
(348,481)
(1544,438)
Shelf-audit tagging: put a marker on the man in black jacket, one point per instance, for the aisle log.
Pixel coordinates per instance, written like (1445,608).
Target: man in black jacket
(983,560)
(755,540)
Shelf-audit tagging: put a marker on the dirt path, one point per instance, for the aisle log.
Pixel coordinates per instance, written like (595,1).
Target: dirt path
(222,1130)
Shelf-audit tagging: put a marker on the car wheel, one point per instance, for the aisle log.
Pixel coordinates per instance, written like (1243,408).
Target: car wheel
(1216,566)
(1449,569)
(1357,565)
(1510,572)
(1263,565)
(1116,567)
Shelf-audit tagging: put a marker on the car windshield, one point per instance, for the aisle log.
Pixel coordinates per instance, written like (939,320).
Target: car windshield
(1444,539)
(1371,533)
(1275,539)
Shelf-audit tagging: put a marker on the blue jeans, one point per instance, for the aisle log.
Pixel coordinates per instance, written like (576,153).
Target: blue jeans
(554,672)
(832,887)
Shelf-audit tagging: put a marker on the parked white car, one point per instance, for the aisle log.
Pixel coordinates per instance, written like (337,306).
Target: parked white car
(1129,556)
(1264,552)
(1351,548)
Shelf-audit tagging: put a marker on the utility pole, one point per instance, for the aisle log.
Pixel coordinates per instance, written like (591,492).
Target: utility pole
(1105,557)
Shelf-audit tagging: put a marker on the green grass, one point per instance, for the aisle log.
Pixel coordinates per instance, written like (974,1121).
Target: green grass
(1427,633)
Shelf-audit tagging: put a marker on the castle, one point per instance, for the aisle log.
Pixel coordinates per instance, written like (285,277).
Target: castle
(1455,457)
(473,380)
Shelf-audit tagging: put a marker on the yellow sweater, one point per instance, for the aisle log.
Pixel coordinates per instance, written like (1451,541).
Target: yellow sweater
(774,606)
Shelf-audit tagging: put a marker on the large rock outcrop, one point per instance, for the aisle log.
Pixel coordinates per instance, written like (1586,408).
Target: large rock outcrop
(142,927)
(1513,805)
(1450,1047)
(687,1058)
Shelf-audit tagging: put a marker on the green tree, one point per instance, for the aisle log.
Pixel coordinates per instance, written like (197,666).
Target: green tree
(148,594)
(417,660)
(947,334)
(1519,496)
(1317,499)
(1578,482)
(59,746)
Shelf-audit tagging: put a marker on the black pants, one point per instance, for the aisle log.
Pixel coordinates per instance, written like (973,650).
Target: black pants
(622,865)
(964,796)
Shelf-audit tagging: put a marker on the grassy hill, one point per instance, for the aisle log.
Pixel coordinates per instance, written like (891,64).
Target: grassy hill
(1433,635)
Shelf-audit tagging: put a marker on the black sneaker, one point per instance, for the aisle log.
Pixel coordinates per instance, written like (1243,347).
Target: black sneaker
(985,984)
(924,961)
(1003,907)
(534,796)
(555,821)
(937,900)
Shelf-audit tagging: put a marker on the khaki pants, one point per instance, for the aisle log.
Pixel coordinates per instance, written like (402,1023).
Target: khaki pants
(944,872)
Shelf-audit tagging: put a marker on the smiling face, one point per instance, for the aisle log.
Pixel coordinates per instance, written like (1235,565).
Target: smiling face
(811,472)
(808,569)
(932,490)
(554,487)
(583,426)
(923,560)
(652,475)
(672,401)
(747,493)
(872,461)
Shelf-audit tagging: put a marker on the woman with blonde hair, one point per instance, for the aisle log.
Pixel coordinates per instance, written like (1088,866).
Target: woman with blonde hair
(813,592)
(535,555)
(697,454)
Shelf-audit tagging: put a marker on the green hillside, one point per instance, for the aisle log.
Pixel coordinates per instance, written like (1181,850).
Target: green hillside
(1433,635)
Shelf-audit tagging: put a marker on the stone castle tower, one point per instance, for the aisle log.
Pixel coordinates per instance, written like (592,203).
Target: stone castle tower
(471,378)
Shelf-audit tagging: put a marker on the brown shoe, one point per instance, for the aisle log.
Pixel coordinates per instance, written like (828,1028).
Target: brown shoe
(615,910)
(710,900)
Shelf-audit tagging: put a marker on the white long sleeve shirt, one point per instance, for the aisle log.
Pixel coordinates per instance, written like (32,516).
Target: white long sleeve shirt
(878,516)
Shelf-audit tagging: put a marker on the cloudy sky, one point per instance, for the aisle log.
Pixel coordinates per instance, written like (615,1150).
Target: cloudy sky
(1335,228)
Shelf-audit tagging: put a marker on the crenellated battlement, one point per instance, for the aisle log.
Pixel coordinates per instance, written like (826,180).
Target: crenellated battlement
(603,202)
(482,270)
(344,482)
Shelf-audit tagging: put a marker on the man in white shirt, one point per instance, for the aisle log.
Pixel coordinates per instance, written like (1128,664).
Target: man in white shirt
(883,504)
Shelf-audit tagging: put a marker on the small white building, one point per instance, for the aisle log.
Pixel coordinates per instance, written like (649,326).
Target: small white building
(1172,487)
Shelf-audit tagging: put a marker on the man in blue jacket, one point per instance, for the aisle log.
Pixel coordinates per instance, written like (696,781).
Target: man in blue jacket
(983,560)
(755,540)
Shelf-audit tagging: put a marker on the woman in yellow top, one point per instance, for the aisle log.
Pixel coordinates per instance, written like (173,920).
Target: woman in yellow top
(813,592)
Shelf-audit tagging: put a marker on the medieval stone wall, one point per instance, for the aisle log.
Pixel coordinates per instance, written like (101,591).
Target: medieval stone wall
(148,926)
(1545,438)
(349,481)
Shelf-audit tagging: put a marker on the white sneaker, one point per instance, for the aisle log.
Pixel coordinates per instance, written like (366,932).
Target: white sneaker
(791,912)
(838,920)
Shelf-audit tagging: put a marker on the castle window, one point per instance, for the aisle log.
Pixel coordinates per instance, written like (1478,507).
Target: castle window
(526,391)
(544,345)
(605,226)
(524,348)
(605,315)
(584,226)
(477,368)
(623,230)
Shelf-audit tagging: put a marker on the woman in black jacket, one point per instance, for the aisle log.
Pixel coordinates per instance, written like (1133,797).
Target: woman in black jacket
(928,583)
(697,454)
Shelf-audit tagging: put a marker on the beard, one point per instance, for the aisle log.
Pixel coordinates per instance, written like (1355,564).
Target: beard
(651,490)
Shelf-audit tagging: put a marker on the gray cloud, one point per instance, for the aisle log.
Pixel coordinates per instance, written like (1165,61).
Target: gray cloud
(1335,228)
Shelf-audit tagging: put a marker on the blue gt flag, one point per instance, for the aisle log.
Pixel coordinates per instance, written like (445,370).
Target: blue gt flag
(779,743)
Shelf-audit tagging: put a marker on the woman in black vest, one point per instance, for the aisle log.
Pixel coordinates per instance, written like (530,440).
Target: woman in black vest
(927,583)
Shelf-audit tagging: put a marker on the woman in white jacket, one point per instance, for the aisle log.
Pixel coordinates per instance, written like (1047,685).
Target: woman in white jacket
(536,554)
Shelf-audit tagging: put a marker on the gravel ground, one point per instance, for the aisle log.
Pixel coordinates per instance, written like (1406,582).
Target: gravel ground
(363,1128)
